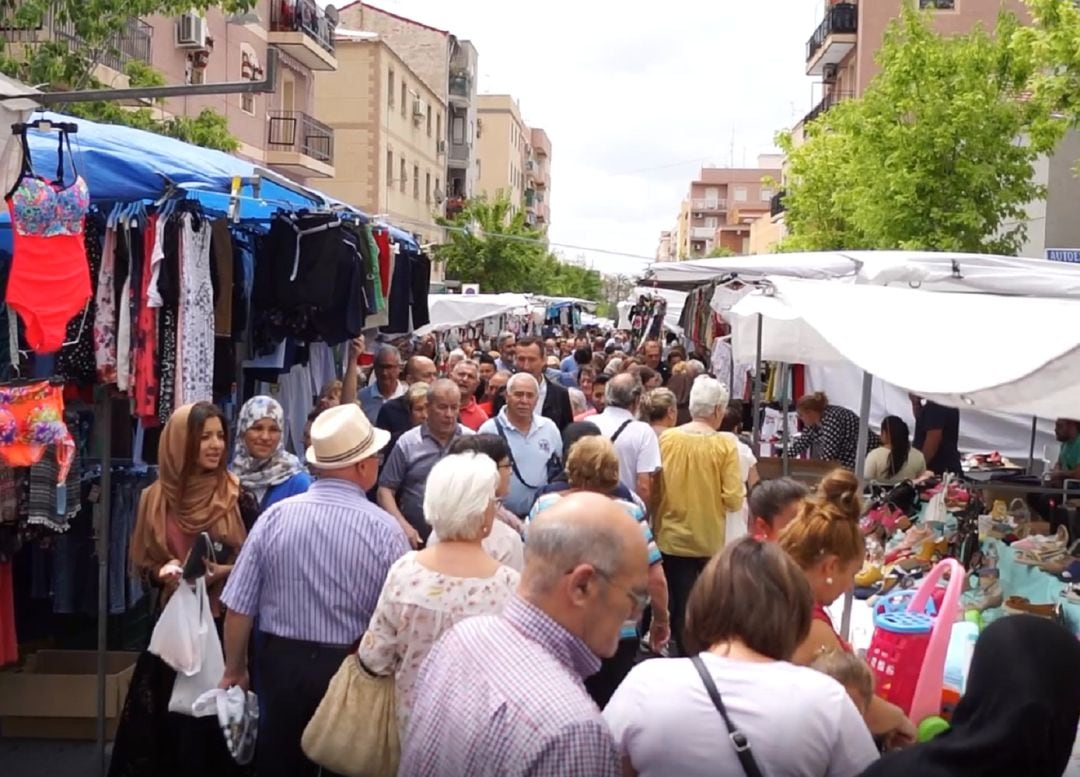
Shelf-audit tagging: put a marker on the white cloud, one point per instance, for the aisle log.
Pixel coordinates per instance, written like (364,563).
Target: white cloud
(635,96)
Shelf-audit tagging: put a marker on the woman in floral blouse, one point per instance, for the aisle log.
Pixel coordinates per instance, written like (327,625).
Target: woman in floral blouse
(428,591)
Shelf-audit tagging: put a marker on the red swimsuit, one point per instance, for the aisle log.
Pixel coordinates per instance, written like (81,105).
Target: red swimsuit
(50,276)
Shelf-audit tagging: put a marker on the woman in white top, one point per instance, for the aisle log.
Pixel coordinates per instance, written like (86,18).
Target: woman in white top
(895,460)
(428,591)
(747,613)
(738,522)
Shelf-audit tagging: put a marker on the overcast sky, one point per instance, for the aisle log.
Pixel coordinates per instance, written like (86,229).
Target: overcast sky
(635,98)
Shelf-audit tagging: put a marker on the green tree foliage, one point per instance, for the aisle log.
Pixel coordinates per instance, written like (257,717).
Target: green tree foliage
(1052,42)
(936,154)
(98,25)
(720,251)
(490,243)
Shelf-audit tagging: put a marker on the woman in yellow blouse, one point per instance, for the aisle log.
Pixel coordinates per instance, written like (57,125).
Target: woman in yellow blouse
(700,482)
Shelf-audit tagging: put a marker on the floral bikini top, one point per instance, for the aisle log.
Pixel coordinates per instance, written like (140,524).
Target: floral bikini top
(43,208)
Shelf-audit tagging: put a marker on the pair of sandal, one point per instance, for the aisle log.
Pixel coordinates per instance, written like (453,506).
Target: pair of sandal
(1052,553)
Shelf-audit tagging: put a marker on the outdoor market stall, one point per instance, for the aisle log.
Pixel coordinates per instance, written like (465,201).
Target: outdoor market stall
(196,274)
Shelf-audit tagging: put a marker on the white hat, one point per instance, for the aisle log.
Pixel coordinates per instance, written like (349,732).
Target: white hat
(342,436)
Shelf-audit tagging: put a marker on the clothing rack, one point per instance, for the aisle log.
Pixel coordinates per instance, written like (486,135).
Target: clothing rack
(44,125)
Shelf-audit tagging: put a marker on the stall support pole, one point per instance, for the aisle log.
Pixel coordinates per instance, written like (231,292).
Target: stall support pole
(860,457)
(756,427)
(103,418)
(1031,448)
(785,372)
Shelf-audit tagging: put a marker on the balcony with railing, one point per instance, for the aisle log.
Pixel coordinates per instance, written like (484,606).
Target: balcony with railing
(702,233)
(303,31)
(299,144)
(460,89)
(709,205)
(454,206)
(834,38)
(460,152)
(776,204)
(133,43)
(828,101)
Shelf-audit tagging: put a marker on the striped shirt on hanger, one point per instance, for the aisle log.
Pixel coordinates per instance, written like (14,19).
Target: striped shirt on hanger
(313,566)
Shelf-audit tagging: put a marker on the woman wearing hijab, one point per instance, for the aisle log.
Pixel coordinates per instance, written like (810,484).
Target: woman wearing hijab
(265,469)
(194,493)
(1018,715)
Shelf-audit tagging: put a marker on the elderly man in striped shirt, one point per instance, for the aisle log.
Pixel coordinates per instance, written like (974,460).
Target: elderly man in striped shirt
(311,570)
(505,695)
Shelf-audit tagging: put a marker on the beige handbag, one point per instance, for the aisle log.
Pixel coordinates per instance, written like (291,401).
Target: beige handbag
(354,731)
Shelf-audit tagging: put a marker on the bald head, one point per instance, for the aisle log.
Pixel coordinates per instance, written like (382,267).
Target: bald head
(582,528)
(420,369)
(587,566)
(624,391)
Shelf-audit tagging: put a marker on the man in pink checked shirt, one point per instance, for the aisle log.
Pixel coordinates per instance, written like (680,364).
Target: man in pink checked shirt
(505,695)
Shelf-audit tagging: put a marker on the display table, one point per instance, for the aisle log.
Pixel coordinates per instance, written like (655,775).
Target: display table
(1032,583)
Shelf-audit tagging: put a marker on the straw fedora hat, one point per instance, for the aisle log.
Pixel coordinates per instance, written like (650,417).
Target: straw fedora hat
(342,436)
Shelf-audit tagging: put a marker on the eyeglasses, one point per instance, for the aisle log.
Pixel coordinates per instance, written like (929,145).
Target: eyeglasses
(640,600)
(507,465)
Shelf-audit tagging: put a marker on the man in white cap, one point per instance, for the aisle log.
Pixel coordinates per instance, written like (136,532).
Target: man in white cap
(311,571)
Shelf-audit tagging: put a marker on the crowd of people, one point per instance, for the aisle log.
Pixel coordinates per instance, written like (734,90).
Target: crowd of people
(561,551)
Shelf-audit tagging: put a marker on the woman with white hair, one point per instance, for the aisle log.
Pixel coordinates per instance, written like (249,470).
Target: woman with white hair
(700,483)
(428,591)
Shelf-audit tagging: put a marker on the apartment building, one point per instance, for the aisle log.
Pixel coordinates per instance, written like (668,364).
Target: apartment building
(841,58)
(277,130)
(538,179)
(665,251)
(388,122)
(446,65)
(720,207)
(503,141)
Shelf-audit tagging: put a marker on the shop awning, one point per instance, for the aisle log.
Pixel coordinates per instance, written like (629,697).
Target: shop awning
(450,310)
(932,271)
(123,164)
(982,351)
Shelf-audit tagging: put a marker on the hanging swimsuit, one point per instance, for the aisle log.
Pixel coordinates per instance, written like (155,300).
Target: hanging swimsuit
(32,418)
(50,277)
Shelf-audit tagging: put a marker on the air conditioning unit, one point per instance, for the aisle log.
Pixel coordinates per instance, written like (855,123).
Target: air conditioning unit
(829,73)
(418,109)
(530,166)
(191,31)
(440,147)
(699,215)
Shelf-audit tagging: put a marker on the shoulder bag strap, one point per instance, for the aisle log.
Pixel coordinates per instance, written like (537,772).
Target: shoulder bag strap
(620,430)
(510,453)
(738,738)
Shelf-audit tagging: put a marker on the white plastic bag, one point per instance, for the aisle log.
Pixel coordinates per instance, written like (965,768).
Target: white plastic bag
(189,686)
(176,639)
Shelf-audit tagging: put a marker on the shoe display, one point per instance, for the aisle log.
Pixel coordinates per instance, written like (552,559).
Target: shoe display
(868,575)
(1019,605)
(989,593)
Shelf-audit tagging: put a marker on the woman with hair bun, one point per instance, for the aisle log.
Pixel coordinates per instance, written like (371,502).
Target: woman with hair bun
(825,541)
(832,432)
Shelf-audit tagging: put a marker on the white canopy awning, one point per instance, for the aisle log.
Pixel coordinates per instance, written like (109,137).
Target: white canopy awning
(933,271)
(985,351)
(450,310)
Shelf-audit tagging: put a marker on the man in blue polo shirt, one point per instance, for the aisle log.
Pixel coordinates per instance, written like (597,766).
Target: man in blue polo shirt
(533,441)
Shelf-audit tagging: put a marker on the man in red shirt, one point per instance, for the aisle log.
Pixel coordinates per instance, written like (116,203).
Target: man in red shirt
(466,375)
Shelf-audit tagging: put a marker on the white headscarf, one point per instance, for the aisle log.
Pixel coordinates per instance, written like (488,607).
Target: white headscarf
(258,475)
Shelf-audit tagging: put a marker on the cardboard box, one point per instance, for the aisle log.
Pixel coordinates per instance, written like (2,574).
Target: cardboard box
(54,695)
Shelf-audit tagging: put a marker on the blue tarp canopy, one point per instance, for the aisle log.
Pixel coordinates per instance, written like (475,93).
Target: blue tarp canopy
(123,164)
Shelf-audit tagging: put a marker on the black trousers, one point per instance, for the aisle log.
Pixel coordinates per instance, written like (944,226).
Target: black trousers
(681,572)
(294,677)
(601,686)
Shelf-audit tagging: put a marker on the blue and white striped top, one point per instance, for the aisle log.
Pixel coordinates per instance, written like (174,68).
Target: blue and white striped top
(313,566)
